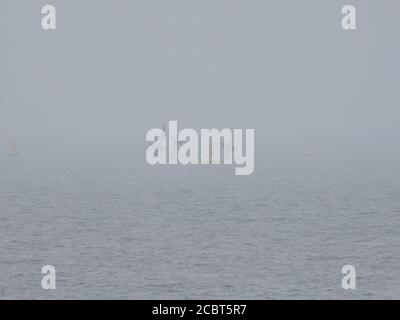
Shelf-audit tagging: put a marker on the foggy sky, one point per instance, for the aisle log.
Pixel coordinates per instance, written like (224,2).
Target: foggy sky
(114,69)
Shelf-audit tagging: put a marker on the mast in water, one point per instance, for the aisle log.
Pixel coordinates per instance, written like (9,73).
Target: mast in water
(210,152)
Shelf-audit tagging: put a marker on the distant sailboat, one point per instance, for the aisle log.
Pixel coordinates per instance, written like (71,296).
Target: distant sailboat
(12,152)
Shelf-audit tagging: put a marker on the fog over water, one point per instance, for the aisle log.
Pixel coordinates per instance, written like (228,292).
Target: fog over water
(79,100)
(114,69)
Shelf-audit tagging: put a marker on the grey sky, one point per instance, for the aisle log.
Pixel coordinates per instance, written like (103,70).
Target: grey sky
(114,69)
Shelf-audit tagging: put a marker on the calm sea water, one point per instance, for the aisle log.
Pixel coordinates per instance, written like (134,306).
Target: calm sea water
(115,229)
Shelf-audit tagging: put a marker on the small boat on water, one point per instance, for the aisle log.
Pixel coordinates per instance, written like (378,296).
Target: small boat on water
(12,150)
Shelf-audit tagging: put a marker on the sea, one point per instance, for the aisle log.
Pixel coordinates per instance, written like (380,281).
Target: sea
(115,227)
